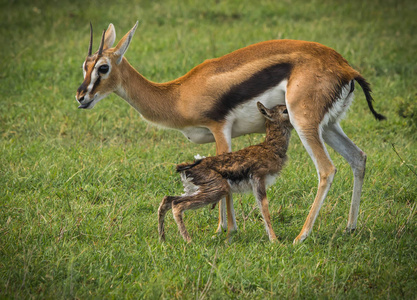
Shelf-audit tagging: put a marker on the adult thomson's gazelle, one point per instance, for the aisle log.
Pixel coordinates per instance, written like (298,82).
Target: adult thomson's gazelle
(216,101)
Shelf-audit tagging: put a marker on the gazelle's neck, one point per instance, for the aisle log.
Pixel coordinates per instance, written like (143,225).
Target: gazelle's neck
(155,102)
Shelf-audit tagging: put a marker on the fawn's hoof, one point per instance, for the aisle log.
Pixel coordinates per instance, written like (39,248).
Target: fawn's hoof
(273,239)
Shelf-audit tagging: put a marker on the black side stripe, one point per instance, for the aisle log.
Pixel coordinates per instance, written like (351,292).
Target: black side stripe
(254,86)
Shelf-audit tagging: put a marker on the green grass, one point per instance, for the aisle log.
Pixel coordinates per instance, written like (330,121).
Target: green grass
(80,189)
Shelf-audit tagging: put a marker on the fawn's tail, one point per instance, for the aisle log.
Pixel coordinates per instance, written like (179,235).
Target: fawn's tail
(186,166)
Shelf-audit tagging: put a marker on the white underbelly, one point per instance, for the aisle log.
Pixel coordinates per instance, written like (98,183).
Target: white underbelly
(243,119)
(246,118)
(198,135)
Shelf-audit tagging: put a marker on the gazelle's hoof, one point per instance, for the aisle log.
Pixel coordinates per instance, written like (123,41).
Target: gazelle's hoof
(230,235)
(349,230)
(221,229)
(299,239)
(216,235)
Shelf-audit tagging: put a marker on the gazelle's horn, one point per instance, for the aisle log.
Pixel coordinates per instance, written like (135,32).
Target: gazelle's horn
(90,48)
(100,50)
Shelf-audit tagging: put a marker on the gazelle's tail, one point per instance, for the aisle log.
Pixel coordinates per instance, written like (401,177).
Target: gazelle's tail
(367,91)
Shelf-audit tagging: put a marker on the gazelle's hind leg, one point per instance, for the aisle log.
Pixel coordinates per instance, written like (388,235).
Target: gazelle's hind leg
(337,139)
(313,142)
(314,123)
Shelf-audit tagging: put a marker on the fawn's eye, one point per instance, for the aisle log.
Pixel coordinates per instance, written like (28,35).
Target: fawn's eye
(103,69)
(285,111)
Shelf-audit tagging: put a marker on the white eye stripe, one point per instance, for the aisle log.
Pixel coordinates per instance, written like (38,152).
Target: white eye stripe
(94,78)
(95,74)
(84,72)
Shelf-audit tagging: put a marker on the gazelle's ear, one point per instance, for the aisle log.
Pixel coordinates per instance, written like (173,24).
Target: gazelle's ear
(109,37)
(124,44)
(264,111)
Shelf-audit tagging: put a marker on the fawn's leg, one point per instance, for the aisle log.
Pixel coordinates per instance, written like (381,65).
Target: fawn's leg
(165,205)
(259,191)
(207,194)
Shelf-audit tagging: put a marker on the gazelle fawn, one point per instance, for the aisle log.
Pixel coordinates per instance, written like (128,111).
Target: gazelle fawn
(216,101)
(208,180)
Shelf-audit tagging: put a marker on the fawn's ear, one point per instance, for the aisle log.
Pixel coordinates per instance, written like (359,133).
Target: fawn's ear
(264,111)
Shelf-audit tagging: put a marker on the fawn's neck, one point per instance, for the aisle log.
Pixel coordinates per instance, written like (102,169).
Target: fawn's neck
(278,137)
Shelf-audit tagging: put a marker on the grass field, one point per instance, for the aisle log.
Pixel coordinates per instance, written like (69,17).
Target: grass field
(79,189)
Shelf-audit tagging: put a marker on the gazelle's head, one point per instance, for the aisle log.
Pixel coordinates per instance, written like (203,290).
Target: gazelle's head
(101,69)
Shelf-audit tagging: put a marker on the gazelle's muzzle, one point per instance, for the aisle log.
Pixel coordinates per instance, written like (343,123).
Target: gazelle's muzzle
(83,97)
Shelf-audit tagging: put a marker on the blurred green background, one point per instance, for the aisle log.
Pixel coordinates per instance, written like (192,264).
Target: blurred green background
(80,189)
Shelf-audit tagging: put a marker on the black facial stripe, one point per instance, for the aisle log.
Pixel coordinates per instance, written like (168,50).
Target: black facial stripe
(82,88)
(248,89)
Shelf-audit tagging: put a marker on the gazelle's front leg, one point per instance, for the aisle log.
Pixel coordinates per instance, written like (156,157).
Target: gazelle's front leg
(222,135)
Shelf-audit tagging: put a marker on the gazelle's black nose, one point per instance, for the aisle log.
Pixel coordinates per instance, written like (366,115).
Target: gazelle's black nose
(81,90)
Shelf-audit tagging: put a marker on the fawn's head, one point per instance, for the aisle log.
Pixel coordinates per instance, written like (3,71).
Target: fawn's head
(276,115)
(102,74)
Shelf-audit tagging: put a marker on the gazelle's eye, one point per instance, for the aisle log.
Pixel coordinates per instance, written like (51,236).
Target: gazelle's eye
(103,69)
